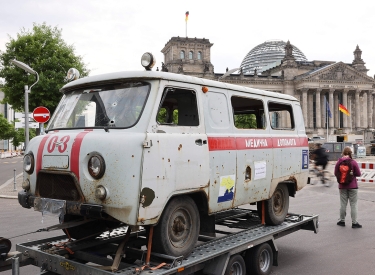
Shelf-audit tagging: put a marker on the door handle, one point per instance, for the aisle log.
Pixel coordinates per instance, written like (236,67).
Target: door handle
(200,142)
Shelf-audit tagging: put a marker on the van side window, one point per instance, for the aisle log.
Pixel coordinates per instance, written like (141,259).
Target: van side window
(281,116)
(178,107)
(248,113)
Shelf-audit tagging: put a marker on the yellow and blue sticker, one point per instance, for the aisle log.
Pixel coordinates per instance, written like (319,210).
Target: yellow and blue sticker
(227,186)
(305,159)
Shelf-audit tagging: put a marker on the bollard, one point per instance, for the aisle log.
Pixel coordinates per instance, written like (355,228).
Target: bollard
(15,266)
(14,185)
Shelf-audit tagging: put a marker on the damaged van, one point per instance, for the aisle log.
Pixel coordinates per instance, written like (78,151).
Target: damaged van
(164,151)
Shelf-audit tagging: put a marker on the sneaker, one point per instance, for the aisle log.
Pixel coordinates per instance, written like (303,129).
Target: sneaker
(356,225)
(342,223)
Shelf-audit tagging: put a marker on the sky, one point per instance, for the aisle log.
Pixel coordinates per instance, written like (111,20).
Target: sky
(112,35)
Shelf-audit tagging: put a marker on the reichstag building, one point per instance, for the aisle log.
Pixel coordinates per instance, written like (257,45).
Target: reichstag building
(281,67)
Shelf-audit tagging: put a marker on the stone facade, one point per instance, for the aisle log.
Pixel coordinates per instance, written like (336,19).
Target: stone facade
(314,83)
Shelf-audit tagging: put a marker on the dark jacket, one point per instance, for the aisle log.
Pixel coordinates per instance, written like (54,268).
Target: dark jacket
(320,155)
(356,173)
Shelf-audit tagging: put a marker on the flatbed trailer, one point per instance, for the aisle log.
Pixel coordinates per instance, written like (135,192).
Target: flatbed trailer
(241,243)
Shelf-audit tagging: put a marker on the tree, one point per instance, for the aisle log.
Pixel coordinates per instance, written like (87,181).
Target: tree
(19,136)
(6,128)
(45,52)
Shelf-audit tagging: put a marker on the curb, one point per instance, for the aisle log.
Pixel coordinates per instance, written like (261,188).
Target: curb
(6,184)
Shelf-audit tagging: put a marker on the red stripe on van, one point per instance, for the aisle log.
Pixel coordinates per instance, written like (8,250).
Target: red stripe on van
(245,143)
(74,155)
(40,153)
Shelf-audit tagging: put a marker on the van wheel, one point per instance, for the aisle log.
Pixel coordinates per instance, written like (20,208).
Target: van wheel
(277,206)
(177,231)
(236,266)
(259,260)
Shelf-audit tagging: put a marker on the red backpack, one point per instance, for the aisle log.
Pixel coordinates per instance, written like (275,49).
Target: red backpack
(345,174)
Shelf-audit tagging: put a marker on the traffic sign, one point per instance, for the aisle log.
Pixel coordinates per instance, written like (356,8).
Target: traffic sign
(41,114)
(22,115)
(22,125)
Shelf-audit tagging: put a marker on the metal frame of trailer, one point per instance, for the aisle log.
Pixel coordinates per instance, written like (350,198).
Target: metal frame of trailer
(237,230)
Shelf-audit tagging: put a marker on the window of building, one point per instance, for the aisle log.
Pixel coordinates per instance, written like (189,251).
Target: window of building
(199,56)
(182,55)
(281,116)
(191,55)
(248,113)
(178,108)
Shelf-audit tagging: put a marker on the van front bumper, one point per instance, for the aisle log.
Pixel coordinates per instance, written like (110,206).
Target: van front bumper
(58,207)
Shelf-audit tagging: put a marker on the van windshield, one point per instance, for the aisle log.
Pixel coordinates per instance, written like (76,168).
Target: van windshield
(115,105)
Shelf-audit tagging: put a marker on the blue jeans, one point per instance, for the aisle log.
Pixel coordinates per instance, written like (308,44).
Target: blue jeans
(352,196)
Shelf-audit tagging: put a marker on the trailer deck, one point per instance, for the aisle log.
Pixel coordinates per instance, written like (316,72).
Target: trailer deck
(237,230)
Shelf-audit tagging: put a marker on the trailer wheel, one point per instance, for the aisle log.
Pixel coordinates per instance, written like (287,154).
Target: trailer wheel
(177,231)
(236,266)
(259,260)
(277,206)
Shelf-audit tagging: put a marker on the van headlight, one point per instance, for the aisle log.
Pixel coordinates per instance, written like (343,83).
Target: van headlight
(96,166)
(28,163)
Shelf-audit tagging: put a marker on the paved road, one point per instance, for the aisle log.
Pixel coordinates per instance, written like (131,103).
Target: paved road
(334,250)
(7,167)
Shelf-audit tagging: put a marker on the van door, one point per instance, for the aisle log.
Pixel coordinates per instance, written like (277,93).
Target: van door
(222,150)
(254,148)
(175,157)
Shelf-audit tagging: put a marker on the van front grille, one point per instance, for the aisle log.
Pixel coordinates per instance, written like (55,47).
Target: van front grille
(58,186)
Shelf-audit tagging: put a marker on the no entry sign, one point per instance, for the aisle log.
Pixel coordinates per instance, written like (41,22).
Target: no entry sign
(41,114)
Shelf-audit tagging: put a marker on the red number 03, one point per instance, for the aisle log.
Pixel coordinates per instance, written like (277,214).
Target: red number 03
(61,145)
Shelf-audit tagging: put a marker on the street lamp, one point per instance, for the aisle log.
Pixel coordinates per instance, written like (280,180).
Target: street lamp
(25,67)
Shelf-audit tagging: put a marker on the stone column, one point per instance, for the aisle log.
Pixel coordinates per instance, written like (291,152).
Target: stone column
(369,108)
(318,111)
(357,111)
(373,113)
(304,105)
(310,110)
(345,103)
(331,108)
(364,110)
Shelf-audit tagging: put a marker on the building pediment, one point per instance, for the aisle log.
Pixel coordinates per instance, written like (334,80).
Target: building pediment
(337,72)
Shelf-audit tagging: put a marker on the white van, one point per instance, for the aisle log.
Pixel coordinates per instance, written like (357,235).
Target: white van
(166,150)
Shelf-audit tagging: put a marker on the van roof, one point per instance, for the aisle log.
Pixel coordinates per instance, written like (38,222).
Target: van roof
(169,76)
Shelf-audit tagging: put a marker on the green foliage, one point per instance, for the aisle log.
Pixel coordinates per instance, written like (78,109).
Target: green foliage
(245,121)
(45,52)
(6,128)
(19,136)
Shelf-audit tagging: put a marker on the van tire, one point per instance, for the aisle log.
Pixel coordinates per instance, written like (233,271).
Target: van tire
(259,260)
(236,265)
(277,206)
(178,229)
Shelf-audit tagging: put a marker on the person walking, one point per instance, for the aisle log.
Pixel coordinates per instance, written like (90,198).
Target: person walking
(349,191)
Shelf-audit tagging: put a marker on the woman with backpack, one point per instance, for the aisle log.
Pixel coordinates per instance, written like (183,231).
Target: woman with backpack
(346,172)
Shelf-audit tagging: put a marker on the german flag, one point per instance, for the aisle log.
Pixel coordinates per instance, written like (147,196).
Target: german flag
(343,109)
(187,16)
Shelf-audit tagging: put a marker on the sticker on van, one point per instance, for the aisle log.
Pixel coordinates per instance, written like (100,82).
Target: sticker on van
(226,191)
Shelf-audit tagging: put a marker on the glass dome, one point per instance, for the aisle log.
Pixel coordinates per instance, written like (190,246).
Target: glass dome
(267,55)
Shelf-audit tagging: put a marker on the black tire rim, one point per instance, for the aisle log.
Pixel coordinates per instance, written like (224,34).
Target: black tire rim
(264,260)
(278,201)
(236,269)
(179,228)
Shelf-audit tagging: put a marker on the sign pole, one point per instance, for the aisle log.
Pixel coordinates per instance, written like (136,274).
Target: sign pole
(26,116)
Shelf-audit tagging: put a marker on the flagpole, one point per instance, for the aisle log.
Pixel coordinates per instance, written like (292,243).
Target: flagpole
(327,116)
